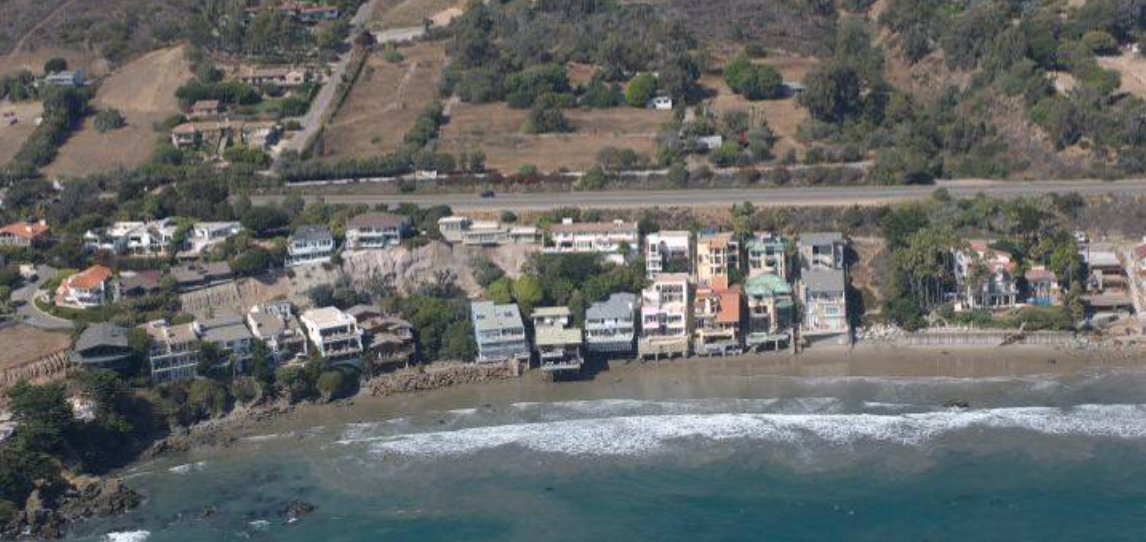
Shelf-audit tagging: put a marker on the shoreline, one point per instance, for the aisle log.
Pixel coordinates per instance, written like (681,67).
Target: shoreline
(745,376)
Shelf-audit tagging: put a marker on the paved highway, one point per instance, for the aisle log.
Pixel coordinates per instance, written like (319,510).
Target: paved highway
(775,197)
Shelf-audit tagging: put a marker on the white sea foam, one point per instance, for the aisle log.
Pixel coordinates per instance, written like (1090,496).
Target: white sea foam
(127,536)
(650,434)
(188,468)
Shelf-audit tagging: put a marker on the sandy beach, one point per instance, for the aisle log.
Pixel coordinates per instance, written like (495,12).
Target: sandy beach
(749,376)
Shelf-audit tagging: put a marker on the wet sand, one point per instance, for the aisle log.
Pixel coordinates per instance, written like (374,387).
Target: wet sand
(750,376)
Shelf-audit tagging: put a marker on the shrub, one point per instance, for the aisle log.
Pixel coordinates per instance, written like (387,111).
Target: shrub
(393,55)
(594,179)
(55,64)
(547,117)
(641,89)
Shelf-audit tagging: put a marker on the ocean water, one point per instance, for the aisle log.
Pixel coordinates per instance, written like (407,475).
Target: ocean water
(842,459)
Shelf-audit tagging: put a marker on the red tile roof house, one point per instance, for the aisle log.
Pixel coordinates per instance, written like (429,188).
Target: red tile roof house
(87,289)
(23,234)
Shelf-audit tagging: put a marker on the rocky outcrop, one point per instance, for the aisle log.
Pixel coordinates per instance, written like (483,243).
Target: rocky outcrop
(47,518)
(296,509)
(441,375)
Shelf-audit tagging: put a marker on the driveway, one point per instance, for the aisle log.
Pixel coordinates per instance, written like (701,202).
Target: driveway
(28,313)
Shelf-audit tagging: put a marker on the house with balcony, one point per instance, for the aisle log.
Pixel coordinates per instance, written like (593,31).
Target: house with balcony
(556,340)
(174,352)
(821,250)
(668,252)
(985,277)
(87,289)
(310,245)
(717,253)
(102,346)
(766,253)
(499,332)
(375,230)
(228,331)
(823,295)
(617,241)
(196,276)
(23,234)
(204,235)
(334,334)
(276,326)
(771,308)
(387,339)
(665,317)
(610,325)
(485,233)
(716,319)
(134,238)
(1042,287)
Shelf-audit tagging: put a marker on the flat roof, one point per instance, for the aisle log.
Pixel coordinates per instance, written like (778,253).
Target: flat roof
(487,316)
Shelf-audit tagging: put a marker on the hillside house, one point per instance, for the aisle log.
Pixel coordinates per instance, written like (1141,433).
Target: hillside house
(65,79)
(668,252)
(334,334)
(195,276)
(767,255)
(617,241)
(204,235)
(660,103)
(206,109)
(228,331)
(716,317)
(823,294)
(770,312)
(985,277)
(665,317)
(610,325)
(102,346)
(174,352)
(24,234)
(499,332)
(134,238)
(463,230)
(821,250)
(216,135)
(717,254)
(137,284)
(87,289)
(557,341)
(280,76)
(375,230)
(387,339)
(276,326)
(310,245)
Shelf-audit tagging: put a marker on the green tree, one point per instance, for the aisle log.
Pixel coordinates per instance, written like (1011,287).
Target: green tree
(42,414)
(108,120)
(332,384)
(832,93)
(528,293)
(641,89)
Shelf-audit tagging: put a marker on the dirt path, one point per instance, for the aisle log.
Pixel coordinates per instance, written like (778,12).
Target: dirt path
(19,46)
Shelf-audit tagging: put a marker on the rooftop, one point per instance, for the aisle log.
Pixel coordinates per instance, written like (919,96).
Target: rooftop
(25,230)
(552,335)
(767,286)
(824,280)
(488,316)
(89,278)
(312,233)
(619,306)
(376,220)
(551,312)
(164,332)
(327,317)
(102,334)
(821,238)
(618,226)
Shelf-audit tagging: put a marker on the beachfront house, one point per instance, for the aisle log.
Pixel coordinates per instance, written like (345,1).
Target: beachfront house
(610,325)
(463,230)
(556,339)
(617,241)
(717,254)
(821,250)
(668,252)
(716,317)
(770,312)
(334,334)
(824,298)
(310,244)
(1042,287)
(766,253)
(276,326)
(375,230)
(387,339)
(229,333)
(102,346)
(985,277)
(87,289)
(499,332)
(665,316)
(174,352)
(23,234)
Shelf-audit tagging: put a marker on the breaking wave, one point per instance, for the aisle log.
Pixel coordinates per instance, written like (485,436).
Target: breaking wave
(127,536)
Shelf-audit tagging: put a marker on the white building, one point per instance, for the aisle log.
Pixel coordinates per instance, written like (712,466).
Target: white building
(821,250)
(279,330)
(135,238)
(310,245)
(824,298)
(334,334)
(985,277)
(667,252)
(174,350)
(617,240)
(485,233)
(610,326)
(375,230)
(499,332)
(205,235)
(665,316)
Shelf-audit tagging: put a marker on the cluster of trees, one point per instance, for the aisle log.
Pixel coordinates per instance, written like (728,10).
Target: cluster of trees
(64,108)
(753,81)
(270,34)
(572,280)
(228,92)
(109,119)
(18,87)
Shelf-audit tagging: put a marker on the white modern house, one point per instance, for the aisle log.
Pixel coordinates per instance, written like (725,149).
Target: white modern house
(485,233)
(617,240)
(499,332)
(276,326)
(205,235)
(135,238)
(667,252)
(375,230)
(310,245)
(174,350)
(665,317)
(334,334)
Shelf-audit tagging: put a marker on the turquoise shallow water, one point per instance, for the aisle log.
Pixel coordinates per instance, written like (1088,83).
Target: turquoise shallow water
(1039,459)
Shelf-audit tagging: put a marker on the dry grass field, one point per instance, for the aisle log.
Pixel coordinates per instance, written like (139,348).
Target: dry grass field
(12,137)
(384,102)
(25,344)
(144,91)
(91,63)
(392,14)
(1132,67)
(495,129)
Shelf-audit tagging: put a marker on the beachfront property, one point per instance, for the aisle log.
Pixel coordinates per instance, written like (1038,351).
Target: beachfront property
(1042,287)
(334,334)
(102,346)
(668,252)
(174,350)
(823,295)
(23,234)
(387,339)
(276,326)
(770,312)
(1107,287)
(228,332)
(985,277)
(766,253)
(557,341)
(375,230)
(499,332)
(87,289)
(617,241)
(717,253)
(310,245)
(204,235)
(821,250)
(489,233)
(665,317)
(716,316)
(610,325)
(134,238)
